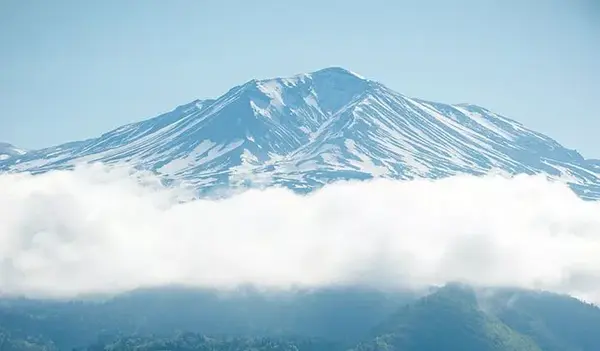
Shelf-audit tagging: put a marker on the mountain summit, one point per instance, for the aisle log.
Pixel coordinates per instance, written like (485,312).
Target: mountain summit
(304,131)
(8,151)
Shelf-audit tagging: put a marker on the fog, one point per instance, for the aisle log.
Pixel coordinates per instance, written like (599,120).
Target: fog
(95,230)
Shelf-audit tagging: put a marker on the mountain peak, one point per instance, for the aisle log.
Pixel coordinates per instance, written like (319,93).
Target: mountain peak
(311,129)
(8,150)
(328,73)
(323,92)
(337,71)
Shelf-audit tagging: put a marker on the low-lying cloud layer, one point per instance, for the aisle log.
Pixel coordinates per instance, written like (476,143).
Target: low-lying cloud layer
(92,230)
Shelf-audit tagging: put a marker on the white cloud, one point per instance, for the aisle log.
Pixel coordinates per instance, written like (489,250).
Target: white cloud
(94,230)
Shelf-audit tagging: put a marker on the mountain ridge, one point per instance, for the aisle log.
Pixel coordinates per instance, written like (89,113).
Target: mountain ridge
(453,316)
(8,151)
(305,131)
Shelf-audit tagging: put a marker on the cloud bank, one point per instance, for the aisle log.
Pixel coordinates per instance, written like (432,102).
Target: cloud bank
(94,230)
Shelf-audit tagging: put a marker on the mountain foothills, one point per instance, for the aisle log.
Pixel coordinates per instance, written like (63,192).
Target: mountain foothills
(453,317)
(311,129)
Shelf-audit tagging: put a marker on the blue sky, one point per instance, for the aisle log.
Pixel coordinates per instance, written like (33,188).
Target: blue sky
(75,69)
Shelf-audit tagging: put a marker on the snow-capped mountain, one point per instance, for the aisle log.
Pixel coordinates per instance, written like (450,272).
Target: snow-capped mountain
(8,151)
(305,131)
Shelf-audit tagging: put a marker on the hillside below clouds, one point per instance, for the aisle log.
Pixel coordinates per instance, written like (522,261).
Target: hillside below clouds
(310,129)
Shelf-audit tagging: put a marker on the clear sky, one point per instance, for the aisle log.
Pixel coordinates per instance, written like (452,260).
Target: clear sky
(75,69)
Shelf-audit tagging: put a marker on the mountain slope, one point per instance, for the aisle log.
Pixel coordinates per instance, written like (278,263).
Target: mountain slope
(198,342)
(311,129)
(10,343)
(448,319)
(553,321)
(8,151)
